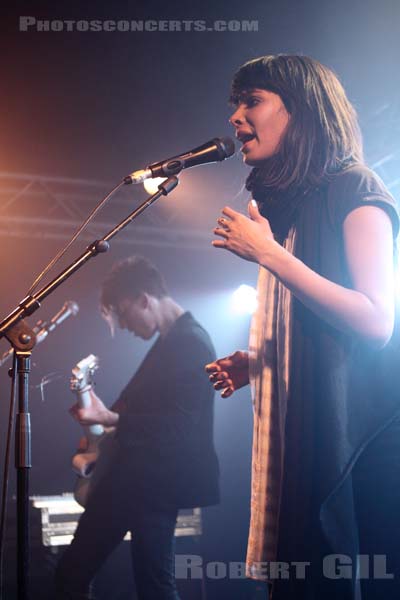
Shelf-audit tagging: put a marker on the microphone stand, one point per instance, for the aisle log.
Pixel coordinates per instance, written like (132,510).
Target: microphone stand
(43,328)
(23,340)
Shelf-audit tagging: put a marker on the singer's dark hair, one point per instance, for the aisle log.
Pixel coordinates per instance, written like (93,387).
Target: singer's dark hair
(323,135)
(128,279)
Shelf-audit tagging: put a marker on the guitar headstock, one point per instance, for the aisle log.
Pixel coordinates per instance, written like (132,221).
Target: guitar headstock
(83,373)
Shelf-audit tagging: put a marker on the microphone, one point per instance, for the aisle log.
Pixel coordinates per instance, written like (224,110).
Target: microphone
(215,150)
(69,309)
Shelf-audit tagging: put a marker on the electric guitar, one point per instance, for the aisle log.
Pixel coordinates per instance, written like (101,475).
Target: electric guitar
(91,463)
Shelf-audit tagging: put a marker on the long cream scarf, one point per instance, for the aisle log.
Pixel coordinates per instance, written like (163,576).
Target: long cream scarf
(269,353)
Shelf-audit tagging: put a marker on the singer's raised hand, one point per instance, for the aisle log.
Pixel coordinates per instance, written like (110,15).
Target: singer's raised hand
(249,237)
(229,373)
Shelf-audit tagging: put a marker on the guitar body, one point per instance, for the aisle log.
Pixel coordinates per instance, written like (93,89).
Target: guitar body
(90,464)
(98,461)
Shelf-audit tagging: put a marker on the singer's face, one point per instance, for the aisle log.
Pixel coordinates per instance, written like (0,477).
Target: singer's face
(260,121)
(134,314)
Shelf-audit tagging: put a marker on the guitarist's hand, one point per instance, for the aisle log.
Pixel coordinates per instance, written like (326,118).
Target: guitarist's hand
(96,413)
(230,373)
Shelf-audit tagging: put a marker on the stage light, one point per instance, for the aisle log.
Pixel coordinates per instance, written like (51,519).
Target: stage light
(244,300)
(151,185)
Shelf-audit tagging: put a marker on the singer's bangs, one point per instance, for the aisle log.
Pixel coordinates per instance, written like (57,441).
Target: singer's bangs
(260,73)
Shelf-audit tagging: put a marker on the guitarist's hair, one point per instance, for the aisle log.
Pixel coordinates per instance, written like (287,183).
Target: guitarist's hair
(129,278)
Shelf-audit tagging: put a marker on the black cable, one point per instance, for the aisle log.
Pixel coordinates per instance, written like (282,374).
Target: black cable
(61,253)
(7,471)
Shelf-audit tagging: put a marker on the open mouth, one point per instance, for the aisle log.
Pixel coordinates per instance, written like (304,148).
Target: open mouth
(245,138)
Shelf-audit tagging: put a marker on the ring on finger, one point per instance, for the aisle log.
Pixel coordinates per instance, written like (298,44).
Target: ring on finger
(223,222)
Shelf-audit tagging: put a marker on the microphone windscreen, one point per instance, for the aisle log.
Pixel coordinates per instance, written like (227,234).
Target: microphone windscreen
(227,145)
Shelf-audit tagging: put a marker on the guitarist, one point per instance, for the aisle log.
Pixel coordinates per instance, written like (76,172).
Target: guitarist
(164,458)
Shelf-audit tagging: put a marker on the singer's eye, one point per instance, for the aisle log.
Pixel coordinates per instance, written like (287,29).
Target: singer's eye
(252,101)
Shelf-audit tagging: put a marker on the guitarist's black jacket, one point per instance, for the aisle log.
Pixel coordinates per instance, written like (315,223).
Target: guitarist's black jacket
(165,430)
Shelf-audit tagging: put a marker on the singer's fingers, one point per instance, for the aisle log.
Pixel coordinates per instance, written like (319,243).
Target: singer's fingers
(220,385)
(227,392)
(218,243)
(211,367)
(224,223)
(218,376)
(221,232)
(225,363)
(229,212)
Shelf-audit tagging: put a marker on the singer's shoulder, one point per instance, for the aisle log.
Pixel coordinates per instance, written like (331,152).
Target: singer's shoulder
(356,186)
(358,178)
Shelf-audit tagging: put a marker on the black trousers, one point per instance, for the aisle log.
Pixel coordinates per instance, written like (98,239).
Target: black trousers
(110,513)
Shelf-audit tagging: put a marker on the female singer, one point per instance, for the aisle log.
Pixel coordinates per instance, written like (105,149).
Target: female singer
(321,361)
